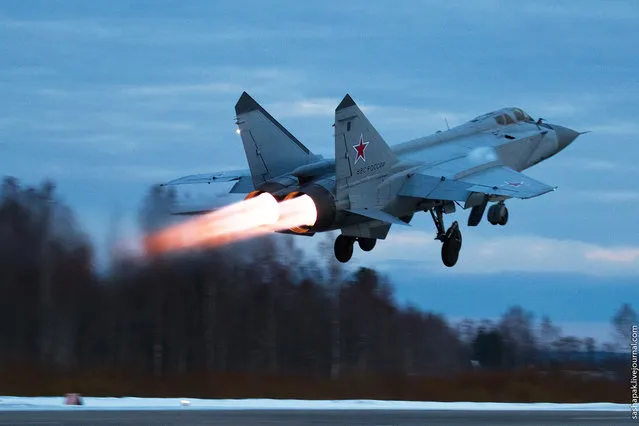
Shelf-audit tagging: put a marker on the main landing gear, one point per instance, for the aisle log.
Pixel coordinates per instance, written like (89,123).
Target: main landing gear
(344,246)
(451,239)
(498,214)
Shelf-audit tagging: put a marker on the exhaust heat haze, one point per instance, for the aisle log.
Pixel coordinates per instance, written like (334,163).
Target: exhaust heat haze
(240,221)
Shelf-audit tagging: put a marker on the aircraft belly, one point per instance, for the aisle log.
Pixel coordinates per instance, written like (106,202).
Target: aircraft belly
(371,229)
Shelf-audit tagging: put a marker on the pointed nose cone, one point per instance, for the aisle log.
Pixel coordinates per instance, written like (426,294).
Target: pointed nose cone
(565,136)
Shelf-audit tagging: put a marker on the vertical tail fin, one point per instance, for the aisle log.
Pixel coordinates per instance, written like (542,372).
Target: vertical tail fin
(360,151)
(270,149)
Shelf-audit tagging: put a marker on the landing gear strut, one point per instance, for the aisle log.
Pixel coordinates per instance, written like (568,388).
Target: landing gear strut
(498,214)
(451,239)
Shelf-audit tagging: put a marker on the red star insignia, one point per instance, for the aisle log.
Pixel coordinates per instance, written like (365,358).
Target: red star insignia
(514,183)
(360,148)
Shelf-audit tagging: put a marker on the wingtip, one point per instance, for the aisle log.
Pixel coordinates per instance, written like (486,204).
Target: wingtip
(346,102)
(245,104)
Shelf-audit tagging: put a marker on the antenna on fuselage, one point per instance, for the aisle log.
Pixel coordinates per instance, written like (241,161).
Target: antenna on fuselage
(446,120)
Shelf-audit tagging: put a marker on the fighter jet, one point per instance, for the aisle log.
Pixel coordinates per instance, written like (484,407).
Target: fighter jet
(370,186)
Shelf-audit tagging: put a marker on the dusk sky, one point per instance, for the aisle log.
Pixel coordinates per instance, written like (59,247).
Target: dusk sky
(109,98)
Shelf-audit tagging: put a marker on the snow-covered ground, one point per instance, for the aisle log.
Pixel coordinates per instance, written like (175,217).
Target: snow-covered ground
(131,403)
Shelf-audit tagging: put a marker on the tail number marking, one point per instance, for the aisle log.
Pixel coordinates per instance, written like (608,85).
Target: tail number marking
(371,168)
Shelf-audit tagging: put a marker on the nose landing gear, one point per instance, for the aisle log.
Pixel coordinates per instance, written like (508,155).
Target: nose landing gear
(451,239)
(451,245)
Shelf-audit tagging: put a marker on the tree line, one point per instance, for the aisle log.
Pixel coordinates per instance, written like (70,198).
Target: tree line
(259,316)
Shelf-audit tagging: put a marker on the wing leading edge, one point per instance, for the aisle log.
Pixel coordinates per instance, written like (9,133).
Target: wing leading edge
(244,182)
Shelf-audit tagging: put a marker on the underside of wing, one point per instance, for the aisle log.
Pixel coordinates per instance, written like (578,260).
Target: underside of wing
(244,183)
(506,182)
(497,181)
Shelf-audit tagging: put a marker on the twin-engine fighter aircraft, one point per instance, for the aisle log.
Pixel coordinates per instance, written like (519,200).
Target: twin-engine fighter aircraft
(370,186)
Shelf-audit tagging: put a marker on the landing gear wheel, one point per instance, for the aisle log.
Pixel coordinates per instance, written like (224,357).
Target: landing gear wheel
(451,246)
(504,218)
(344,248)
(366,244)
(498,214)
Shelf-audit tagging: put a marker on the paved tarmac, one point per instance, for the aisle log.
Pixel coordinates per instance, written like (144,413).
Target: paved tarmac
(314,417)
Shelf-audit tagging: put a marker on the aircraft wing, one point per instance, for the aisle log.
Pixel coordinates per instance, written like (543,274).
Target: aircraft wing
(242,177)
(506,182)
(497,180)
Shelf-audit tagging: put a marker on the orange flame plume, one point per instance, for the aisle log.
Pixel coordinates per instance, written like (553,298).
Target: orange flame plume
(246,219)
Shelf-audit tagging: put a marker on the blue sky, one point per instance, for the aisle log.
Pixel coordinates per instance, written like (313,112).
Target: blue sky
(108,98)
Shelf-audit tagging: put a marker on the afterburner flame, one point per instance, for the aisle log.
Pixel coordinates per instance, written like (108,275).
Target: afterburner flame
(299,211)
(246,219)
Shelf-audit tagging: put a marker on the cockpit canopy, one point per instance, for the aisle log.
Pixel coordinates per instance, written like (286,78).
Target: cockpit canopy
(506,116)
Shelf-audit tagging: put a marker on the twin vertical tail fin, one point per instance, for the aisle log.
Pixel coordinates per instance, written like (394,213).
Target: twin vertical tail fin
(360,151)
(362,161)
(270,149)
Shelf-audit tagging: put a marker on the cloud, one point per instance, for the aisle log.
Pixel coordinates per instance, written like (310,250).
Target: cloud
(167,32)
(619,255)
(592,164)
(583,10)
(624,128)
(128,173)
(522,253)
(485,11)
(558,109)
(115,121)
(312,107)
(606,195)
(83,28)
(181,89)
(409,118)
(26,71)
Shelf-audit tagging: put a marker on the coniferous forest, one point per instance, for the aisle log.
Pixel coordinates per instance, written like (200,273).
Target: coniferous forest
(257,319)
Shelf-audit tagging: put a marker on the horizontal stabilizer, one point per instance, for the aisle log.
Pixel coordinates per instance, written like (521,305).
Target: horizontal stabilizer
(378,215)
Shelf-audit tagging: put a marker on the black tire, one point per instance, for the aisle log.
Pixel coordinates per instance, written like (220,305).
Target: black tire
(492,215)
(504,218)
(454,233)
(498,214)
(366,244)
(344,248)
(450,252)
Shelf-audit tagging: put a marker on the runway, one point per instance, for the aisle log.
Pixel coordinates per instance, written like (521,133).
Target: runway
(310,417)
